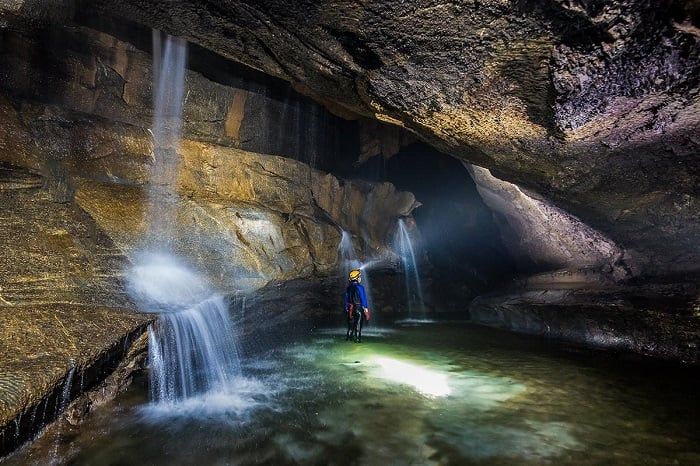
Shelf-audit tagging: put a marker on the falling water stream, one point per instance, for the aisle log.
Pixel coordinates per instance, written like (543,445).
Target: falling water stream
(444,393)
(350,261)
(61,405)
(192,349)
(414,289)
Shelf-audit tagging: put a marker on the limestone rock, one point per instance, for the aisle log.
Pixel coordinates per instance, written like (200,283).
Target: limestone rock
(54,351)
(647,319)
(55,253)
(248,218)
(593,106)
(549,237)
(244,218)
(92,78)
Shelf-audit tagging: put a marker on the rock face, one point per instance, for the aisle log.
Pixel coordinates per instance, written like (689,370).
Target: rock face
(546,235)
(50,354)
(65,321)
(245,218)
(54,252)
(656,320)
(591,105)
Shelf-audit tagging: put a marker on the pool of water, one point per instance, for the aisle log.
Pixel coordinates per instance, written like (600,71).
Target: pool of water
(415,393)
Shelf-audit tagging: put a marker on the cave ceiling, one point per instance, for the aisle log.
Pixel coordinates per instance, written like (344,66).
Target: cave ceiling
(590,104)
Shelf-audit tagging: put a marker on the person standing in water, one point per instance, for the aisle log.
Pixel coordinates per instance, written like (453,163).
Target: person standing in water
(356,306)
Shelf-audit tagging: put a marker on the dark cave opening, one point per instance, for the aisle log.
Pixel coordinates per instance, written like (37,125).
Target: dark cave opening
(462,245)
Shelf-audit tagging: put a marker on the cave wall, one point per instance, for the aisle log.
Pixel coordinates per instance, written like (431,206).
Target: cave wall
(537,232)
(76,109)
(76,152)
(457,241)
(592,105)
(108,75)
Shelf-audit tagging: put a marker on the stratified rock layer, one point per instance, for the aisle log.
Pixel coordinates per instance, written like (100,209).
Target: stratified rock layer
(65,321)
(247,219)
(244,218)
(649,319)
(75,161)
(51,353)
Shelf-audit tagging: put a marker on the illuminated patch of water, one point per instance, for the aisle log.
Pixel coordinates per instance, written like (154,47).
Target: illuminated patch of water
(426,381)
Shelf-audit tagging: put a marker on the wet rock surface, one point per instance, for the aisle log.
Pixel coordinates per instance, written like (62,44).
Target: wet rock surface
(594,106)
(65,320)
(245,218)
(659,320)
(51,353)
(54,252)
(75,158)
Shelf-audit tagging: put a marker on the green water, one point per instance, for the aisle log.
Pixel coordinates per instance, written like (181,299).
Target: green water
(429,394)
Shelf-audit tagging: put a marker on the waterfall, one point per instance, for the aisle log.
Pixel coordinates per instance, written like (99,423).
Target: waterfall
(192,345)
(61,405)
(193,352)
(346,251)
(405,249)
(169,58)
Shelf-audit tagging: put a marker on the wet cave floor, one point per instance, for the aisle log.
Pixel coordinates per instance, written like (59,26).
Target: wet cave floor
(430,393)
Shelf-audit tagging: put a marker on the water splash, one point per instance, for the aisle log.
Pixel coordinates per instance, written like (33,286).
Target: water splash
(192,346)
(414,290)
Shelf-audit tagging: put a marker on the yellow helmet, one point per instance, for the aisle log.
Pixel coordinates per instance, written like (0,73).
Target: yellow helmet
(354,275)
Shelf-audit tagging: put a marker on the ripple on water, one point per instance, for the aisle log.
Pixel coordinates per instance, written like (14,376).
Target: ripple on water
(323,400)
(479,440)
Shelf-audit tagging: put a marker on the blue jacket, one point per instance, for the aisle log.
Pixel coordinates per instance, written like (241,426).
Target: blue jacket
(355,290)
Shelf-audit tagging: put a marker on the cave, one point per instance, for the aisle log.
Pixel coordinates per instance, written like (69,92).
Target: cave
(349,232)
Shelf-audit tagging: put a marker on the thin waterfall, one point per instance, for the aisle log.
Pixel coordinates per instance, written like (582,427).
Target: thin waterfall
(312,146)
(346,251)
(169,59)
(414,289)
(350,261)
(61,405)
(192,345)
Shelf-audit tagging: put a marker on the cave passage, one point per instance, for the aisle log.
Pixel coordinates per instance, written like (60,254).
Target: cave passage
(186,196)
